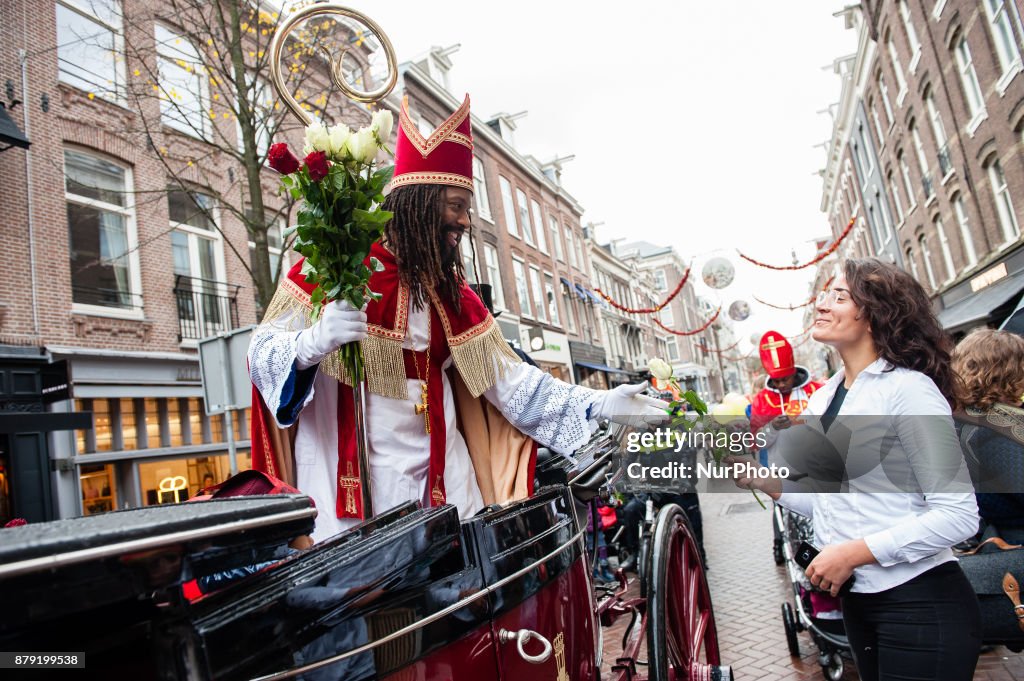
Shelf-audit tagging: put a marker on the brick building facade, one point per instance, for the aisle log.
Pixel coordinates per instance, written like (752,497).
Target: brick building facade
(942,92)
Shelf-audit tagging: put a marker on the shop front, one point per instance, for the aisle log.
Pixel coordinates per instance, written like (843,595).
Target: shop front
(986,299)
(549,349)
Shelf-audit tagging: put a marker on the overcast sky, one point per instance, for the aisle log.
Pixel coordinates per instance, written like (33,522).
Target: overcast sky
(693,123)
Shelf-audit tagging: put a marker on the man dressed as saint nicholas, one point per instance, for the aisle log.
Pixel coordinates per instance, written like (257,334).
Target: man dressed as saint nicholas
(452,414)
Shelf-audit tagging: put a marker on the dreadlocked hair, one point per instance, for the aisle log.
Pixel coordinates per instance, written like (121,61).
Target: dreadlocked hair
(414,235)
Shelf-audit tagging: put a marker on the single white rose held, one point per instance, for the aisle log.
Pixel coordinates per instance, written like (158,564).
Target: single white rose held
(660,369)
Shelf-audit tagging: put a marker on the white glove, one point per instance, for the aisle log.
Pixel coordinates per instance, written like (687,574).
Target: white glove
(339,323)
(625,405)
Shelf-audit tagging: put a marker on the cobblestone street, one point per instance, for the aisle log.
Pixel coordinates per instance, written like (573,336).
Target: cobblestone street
(748,589)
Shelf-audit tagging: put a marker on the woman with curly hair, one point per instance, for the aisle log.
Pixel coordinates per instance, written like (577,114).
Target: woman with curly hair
(911,613)
(990,421)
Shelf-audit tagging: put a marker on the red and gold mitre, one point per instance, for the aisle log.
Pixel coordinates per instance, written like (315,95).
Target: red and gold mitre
(776,355)
(445,157)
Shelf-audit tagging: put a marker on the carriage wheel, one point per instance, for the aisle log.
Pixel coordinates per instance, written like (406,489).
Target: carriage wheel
(682,642)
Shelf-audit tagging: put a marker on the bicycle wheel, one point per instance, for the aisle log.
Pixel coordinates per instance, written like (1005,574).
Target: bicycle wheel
(682,641)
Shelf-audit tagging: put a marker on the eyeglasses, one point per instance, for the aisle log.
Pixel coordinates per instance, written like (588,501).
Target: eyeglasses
(830,298)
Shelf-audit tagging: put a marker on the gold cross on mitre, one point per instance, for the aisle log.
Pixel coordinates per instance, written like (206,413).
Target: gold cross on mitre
(349,482)
(423,407)
(772,346)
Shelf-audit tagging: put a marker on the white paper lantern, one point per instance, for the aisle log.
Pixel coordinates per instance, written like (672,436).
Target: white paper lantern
(718,273)
(739,310)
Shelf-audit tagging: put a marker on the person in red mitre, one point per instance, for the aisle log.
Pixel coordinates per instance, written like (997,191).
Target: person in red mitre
(787,388)
(452,414)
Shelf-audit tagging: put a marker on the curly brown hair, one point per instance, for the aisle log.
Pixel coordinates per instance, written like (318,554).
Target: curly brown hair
(990,365)
(904,329)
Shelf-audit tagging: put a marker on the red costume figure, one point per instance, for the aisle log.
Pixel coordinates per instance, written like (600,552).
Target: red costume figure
(787,388)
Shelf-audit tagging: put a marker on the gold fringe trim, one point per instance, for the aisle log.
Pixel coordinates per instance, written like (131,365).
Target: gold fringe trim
(480,359)
(385,373)
(289,300)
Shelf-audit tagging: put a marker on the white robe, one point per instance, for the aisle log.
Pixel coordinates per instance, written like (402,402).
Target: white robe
(550,411)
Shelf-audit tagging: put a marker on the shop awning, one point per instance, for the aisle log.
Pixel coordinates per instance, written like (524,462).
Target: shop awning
(601,367)
(978,306)
(574,287)
(598,300)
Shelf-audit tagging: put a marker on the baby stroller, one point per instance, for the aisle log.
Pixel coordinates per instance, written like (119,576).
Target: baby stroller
(815,611)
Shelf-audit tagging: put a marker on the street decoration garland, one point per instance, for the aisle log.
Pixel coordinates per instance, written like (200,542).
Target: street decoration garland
(646,310)
(707,349)
(704,326)
(821,256)
(809,301)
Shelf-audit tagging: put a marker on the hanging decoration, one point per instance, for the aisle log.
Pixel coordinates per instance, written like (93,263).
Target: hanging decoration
(818,258)
(706,324)
(809,301)
(739,310)
(718,273)
(646,310)
(705,348)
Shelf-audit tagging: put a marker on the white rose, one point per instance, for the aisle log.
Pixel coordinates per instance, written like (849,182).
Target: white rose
(660,369)
(337,136)
(317,138)
(381,124)
(362,146)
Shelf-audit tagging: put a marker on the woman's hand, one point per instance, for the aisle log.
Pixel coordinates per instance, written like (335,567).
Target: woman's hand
(834,565)
(771,486)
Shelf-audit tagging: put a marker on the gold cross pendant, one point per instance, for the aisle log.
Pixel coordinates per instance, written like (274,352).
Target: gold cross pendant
(424,407)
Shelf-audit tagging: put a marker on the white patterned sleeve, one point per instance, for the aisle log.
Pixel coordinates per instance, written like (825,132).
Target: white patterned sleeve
(284,388)
(552,412)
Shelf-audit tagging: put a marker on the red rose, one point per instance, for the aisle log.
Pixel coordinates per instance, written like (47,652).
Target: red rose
(282,159)
(316,163)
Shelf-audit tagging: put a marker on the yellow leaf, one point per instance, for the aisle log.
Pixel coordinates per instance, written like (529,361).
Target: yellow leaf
(227,115)
(216,96)
(136,72)
(190,164)
(92,96)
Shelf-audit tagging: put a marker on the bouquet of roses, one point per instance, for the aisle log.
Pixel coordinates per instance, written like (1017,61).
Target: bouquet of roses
(341,187)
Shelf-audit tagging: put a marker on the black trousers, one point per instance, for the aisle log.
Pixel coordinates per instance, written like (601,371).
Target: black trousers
(928,629)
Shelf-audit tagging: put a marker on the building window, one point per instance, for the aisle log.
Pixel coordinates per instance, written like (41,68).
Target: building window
(908,24)
(569,302)
(101,232)
(969,78)
(279,261)
(90,47)
(922,160)
(667,317)
(947,256)
(895,191)
(556,240)
(907,184)
(183,84)
(466,248)
(570,247)
(965,231)
(522,290)
(524,217)
(538,224)
(878,122)
(673,350)
(897,68)
(884,91)
(886,224)
(909,255)
(660,283)
(926,255)
(204,303)
(945,164)
(483,204)
(262,114)
(494,276)
(1002,35)
(538,294)
(552,303)
(1004,204)
(508,207)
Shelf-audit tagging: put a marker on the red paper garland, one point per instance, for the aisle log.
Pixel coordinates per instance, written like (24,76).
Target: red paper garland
(707,349)
(646,310)
(695,331)
(809,301)
(827,252)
